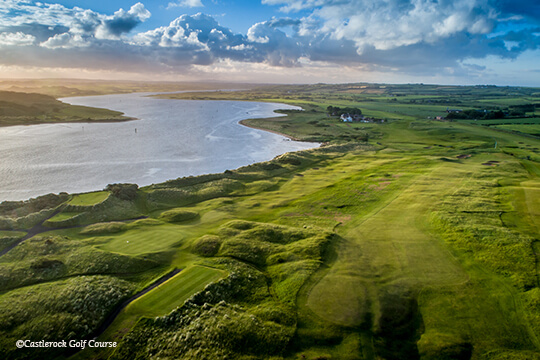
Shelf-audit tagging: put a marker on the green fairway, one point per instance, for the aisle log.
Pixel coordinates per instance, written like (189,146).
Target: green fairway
(390,245)
(172,293)
(144,240)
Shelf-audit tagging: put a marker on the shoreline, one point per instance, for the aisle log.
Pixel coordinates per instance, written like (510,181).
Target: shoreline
(82,121)
(242,122)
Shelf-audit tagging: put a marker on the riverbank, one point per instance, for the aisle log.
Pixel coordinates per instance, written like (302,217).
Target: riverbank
(30,122)
(247,124)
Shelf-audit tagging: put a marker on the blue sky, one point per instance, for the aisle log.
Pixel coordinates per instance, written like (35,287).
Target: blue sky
(301,41)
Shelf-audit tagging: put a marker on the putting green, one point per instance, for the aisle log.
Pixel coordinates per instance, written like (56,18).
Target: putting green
(145,240)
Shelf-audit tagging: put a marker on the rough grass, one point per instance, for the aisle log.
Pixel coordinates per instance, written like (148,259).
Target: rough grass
(46,258)
(68,309)
(178,215)
(104,228)
(207,245)
(526,129)
(111,209)
(8,238)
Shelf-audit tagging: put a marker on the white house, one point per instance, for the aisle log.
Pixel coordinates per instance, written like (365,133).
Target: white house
(346,118)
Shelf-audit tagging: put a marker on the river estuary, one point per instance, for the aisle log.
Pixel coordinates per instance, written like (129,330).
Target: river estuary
(170,139)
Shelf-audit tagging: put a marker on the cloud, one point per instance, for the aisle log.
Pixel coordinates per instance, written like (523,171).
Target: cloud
(199,38)
(17,39)
(185,3)
(405,36)
(274,45)
(46,21)
(123,21)
(393,23)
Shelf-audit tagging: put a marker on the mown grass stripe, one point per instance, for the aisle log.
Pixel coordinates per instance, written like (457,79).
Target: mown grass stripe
(174,291)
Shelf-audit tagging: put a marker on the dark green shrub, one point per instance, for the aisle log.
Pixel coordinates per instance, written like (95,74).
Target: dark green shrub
(123,191)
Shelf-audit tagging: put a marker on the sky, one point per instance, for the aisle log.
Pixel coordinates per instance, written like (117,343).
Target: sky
(274,41)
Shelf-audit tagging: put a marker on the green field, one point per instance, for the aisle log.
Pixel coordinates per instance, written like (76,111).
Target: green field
(407,239)
(144,240)
(89,199)
(526,129)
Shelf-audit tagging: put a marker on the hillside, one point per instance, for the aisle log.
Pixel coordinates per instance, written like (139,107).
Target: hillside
(30,108)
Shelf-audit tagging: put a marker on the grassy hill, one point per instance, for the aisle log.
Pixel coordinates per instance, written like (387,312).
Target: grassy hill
(28,108)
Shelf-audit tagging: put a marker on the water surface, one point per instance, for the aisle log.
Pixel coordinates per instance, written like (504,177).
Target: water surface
(170,139)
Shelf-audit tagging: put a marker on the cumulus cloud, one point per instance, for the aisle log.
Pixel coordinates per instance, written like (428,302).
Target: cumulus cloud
(198,37)
(54,23)
(393,23)
(122,21)
(278,48)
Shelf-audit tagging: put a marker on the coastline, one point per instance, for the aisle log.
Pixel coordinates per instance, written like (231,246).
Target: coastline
(78,121)
(243,122)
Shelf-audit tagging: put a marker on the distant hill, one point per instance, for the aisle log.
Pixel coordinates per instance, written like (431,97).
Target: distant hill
(79,87)
(18,108)
(22,104)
